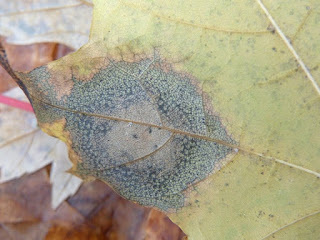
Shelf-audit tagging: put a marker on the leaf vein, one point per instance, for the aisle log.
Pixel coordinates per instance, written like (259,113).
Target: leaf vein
(181,21)
(290,47)
(176,131)
(289,224)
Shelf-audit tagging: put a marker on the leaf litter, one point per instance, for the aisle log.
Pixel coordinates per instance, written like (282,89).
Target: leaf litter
(62,21)
(25,149)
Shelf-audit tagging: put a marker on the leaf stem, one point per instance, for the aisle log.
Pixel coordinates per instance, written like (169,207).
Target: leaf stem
(6,66)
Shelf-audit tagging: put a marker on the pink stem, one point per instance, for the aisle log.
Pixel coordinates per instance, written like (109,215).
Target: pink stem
(16,103)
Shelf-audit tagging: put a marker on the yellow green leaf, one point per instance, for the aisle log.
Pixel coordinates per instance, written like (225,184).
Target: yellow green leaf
(168,92)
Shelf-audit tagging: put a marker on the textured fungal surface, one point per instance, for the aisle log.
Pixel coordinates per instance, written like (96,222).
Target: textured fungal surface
(141,126)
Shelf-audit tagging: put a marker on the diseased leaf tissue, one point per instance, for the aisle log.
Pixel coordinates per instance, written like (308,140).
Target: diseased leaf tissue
(139,125)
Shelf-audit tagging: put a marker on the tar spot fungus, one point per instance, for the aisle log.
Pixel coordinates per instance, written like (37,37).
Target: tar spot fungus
(139,126)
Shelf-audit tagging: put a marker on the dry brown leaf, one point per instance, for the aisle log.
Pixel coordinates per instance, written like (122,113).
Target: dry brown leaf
(27,57)
(25,147)
(95,212)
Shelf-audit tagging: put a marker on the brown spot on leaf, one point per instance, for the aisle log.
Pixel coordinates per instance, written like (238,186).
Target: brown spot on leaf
(60,79)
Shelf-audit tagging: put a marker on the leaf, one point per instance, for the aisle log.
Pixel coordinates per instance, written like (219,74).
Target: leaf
(165,93)
(27,149)
(63,21)
(94,212)
(21,141)
(64,184)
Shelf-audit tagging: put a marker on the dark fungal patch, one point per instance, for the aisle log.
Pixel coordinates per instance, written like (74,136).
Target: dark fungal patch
(140,127)
(159,180)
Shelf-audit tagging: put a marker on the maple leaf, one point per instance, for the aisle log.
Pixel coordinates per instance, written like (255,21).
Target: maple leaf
(166,93)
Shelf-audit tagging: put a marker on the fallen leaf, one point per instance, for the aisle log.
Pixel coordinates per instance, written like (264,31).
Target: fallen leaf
(64,184)
(28,57)
(95,212)
(62,21)
(166,93)
(27,149)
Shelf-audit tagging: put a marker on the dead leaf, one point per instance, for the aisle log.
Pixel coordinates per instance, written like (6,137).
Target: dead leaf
(62,21)
(64,184)
(95,212)
(28,57)
(27,149)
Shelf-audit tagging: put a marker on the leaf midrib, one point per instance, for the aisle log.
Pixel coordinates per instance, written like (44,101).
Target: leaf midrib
(236,148)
